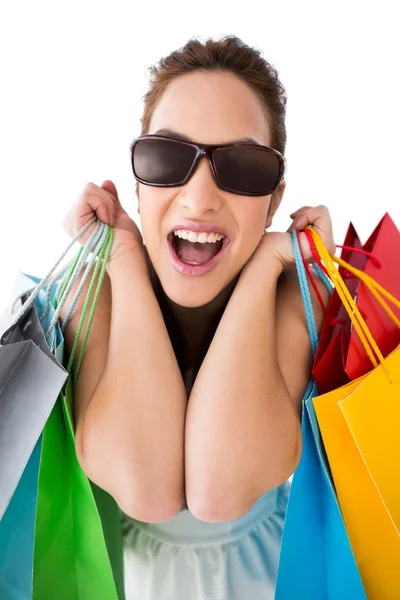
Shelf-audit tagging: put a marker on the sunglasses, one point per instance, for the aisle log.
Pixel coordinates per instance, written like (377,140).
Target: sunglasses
(245,169)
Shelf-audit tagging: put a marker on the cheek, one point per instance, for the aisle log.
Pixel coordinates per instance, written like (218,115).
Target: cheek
(251,219)
(154,204)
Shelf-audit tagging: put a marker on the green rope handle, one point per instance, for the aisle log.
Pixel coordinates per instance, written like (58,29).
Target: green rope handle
(107,245)
(106,248)
(67,278)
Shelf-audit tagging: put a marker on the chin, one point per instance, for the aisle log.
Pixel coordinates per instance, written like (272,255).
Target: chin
(190,298)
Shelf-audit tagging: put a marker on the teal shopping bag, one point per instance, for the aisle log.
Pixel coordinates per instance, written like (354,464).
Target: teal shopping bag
(316,560)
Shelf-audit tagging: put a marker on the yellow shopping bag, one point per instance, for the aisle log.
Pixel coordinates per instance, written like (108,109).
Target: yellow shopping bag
(359,424)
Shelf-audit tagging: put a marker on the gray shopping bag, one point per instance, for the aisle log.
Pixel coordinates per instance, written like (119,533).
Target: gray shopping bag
(31,379)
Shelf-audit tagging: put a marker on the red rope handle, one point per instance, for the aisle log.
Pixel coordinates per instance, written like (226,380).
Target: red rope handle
(310,275)
(315,252)
(369,254)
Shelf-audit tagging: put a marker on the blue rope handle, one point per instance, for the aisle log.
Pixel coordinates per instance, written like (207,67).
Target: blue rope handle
(305,292)
(324,277)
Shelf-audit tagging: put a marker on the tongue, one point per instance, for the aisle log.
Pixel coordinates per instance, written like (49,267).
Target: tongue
(196,252)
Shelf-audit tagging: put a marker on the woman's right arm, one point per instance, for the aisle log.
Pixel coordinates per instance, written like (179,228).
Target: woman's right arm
(130,399)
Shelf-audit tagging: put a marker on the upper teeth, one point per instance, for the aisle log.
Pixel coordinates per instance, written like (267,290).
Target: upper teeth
(202,237)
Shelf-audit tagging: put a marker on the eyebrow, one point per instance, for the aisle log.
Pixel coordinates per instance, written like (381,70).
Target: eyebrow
(184,138)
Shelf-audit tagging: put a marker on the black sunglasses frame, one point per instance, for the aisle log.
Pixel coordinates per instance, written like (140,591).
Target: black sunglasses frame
(207,150)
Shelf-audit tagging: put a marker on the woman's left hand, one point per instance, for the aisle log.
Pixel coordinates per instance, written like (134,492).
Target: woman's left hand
(280,243)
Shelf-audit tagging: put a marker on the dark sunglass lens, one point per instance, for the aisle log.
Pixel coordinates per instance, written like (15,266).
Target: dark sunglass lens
(247,170)
(162,161)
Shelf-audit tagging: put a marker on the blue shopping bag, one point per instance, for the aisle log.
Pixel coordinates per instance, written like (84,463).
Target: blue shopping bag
(17,534)
(316,560)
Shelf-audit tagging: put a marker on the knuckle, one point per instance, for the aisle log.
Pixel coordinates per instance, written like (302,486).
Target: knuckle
(87,189)
(91,189)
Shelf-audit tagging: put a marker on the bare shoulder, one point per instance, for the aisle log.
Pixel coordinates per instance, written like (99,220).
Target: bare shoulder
(292,336)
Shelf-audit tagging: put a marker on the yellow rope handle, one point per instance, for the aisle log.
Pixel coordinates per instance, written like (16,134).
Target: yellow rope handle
(347,300)
(374,287)
(351,308)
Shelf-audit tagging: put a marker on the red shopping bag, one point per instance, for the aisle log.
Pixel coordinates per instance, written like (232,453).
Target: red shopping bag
(330,359)
(340,356)
(384,244)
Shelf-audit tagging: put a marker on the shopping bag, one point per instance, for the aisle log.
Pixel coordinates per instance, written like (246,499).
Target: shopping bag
(78,543)
(384,244)
(30,380)
(328,369)
(359,427)
(316,560)
(340,356)
(16,534)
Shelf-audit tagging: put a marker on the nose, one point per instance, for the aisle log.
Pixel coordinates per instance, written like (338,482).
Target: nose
(201,193)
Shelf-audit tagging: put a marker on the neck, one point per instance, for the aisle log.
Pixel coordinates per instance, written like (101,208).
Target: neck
(192,328)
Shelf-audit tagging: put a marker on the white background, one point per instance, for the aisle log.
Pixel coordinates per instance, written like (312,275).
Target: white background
(72,79)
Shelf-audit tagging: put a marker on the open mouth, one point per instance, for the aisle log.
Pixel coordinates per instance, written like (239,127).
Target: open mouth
(194,253)
(195,258)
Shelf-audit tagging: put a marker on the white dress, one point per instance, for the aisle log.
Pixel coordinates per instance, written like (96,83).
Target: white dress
(189,559)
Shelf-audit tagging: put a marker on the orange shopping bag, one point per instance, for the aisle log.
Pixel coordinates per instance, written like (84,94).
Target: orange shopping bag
(359,424)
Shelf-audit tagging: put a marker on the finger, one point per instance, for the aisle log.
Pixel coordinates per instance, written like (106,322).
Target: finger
(297,212)
(103,208)
(319,218)
(307,217)
(110,187)
(313,213)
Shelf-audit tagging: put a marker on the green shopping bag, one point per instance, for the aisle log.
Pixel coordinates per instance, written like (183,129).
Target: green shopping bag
(78,540)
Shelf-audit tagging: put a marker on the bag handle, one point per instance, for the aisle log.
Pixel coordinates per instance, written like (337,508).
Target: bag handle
(102,238)
(325,279)
(45,279)
(105,249)
(97,239)
(374,287)
(79,259)
(308,307)
(348,302)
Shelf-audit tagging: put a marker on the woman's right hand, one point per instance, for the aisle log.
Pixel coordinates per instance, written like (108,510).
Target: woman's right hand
(104,203)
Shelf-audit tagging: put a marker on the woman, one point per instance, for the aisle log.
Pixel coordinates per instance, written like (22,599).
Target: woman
(188,402)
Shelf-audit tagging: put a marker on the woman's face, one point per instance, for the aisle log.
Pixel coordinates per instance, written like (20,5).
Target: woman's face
(211,108)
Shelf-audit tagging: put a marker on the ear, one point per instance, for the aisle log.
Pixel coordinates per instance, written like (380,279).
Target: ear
(275,201)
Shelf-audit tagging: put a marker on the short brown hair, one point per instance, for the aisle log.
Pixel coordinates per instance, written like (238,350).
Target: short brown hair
(227,54)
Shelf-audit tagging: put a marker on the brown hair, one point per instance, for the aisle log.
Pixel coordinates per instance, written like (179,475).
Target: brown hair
(227,54)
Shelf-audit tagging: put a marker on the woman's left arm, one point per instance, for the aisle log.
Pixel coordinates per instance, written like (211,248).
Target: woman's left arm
(242,429)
